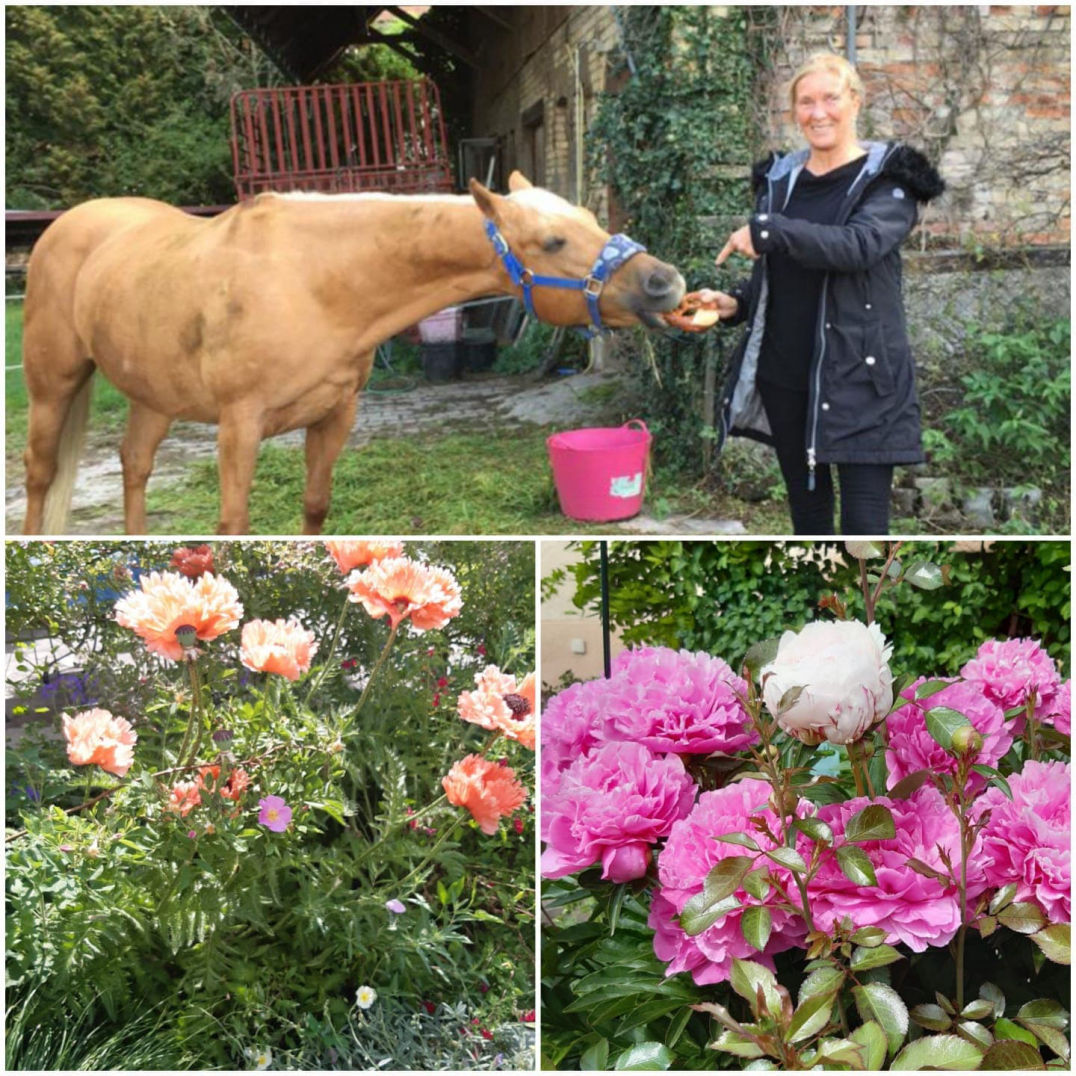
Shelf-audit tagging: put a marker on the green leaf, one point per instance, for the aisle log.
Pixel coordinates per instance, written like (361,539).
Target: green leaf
(814,828)
(873,823)
(762,653)
(872,1038)
(595,1058)
(739,838)
(755,924)
(746,978)
(1055,942)
(876,1001)
(942,722)
(701,912)
(789,699)
(908,786)
(993,994)
(975,1033)
(788,858)
(824,980)
(932,1017)
(1010,1054)
(1044,1011)
(938,1052)
(811,1016)
(931,687)
(865,550)
(856,865)
(1002,897)
(842,1052)
(1006,1029)
(1024,917)
(875,957)
(979,1009)
(869,937)
(755,883)
(646,1055)
(738,1045)
(924,575)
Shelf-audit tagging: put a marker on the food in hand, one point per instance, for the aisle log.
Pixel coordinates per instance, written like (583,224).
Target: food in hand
(693,315)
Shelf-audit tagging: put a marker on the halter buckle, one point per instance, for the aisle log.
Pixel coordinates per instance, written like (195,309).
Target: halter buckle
(592,287)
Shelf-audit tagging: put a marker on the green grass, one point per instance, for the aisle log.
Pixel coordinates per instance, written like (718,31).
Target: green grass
(494,482)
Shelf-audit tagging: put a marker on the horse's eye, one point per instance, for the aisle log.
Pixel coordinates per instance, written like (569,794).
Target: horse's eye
(552,245)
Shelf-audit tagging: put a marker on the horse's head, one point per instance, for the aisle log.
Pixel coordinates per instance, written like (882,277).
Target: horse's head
(551,237)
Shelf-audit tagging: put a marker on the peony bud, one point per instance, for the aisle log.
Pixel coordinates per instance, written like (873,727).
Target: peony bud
(967,740)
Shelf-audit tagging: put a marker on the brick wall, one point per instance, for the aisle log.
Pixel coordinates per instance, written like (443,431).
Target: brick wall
(984,90)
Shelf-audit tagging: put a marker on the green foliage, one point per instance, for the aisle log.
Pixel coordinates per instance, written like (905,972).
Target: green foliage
(676,144)
(1010,427)
(725,596)
(235,935)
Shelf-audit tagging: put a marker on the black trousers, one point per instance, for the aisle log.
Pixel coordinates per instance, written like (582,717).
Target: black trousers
(864,487)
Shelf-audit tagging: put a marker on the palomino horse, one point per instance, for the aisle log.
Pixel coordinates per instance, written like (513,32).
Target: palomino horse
(265,319)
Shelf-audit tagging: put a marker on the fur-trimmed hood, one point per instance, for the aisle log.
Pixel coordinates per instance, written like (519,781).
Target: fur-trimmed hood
(895,160)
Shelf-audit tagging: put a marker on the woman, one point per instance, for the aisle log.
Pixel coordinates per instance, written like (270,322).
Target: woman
(825,373)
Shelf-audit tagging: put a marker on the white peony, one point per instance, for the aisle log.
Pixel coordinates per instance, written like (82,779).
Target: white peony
(842,668)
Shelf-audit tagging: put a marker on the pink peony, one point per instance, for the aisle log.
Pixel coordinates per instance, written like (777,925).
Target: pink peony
(912,908)
(572,726)
(912,748)
(1026,839)
(689,854)
(1010,670)
(1059,712)
(676,701)
(610,806)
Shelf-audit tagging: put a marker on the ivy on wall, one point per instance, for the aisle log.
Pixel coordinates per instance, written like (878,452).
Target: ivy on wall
(675,147)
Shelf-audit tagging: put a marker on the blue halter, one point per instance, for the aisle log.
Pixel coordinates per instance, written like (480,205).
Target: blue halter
(617,250)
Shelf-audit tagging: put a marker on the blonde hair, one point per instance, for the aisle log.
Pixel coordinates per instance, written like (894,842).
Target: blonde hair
(833,64)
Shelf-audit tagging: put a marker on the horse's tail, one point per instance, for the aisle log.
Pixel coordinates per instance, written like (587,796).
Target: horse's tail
(72,437)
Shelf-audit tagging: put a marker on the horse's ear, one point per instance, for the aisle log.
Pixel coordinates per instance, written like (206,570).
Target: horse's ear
(486,199)
(517,181)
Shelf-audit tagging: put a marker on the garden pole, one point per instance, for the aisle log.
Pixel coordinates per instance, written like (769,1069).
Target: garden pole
(605,606)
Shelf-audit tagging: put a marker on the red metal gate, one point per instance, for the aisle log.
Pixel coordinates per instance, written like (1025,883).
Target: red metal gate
(386,136)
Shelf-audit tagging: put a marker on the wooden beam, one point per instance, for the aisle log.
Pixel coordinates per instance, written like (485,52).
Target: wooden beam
(491,14)
(441,40)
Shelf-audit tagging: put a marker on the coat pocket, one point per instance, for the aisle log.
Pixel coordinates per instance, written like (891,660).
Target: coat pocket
(875,361)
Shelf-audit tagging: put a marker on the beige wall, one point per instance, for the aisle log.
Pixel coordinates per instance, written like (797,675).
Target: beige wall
(564,627)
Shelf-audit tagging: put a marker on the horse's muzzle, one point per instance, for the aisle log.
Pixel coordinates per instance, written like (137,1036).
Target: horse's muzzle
(658,289)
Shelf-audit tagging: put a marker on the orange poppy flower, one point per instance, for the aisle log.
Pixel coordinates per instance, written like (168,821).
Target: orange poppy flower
(357,553)
(96,738)
(487,789)
(401,588)
(192,561)
(185,796)
(280,646)
(236,783)
(167,602)
(500,703)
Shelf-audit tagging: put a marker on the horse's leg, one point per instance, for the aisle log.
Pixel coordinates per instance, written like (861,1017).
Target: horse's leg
(145,430)
(58,412)
(238,438)
(324,440)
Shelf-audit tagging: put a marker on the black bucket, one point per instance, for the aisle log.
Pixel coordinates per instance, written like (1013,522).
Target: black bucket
(479,349)
(441,362)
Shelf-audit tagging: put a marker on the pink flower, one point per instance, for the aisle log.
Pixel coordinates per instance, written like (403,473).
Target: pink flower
(275,814)
(357,552)
(487,789)
(912,748)
(401,589)
(167,602)
(610,806)
(284,647)
(690,853)
(676,701)
(572,726)
(96,738)
(499,703)
(911,908)
(1010,670)
(1026,840)
(184,797)
(1059,712)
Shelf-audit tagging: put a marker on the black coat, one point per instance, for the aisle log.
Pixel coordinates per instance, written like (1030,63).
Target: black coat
(862,405)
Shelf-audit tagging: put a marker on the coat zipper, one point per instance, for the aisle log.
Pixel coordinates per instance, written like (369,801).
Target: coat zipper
(812,446)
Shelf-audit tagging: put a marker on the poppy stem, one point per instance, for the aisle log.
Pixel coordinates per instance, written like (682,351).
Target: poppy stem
(194,725)
(316,682)
(374,671)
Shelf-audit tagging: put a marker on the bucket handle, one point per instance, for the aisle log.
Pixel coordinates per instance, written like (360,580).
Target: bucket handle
(628,425)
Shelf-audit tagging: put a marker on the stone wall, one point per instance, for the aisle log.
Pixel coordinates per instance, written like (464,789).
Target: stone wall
(984,90)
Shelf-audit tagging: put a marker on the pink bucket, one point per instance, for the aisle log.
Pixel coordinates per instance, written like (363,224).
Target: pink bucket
(600,473)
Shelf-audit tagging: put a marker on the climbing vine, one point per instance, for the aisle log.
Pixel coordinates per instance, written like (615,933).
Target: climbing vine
(675,147)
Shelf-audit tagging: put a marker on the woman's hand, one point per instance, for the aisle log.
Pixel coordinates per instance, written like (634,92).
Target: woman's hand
(739,243)
(726,305)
